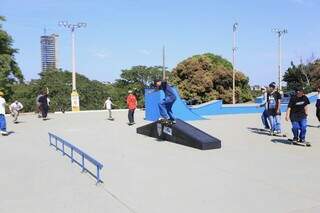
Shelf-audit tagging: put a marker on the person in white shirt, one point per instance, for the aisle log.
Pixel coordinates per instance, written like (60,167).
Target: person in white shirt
(15,108)
(108,105)
(3,124)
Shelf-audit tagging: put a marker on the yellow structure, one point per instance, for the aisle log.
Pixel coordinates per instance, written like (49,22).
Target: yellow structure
(75,103)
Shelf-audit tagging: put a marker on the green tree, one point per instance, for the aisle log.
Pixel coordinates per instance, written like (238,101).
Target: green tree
(138,78)
(207,77)
(92,93)
(10,73)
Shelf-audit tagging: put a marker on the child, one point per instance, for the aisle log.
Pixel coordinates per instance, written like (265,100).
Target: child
(297,112)
(15,108)
(3,124)
(108,105)
(165,106)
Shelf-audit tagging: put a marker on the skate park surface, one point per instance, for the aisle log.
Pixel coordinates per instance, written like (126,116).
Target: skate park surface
(252,172)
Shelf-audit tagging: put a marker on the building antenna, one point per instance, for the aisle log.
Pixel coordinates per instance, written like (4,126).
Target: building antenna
(45,30)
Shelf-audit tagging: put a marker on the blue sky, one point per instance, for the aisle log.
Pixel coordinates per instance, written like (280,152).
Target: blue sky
(125,33)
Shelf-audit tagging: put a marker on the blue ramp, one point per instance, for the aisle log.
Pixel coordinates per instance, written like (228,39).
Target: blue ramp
(180,109)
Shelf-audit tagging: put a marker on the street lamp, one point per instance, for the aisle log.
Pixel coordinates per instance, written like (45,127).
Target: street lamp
(234,49)
(75,104)
(164,63)
(279,33)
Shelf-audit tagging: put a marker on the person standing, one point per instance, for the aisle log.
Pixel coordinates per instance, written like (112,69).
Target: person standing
(38,111)
(44,106)
(15,108)
(108,105)
(274,109)
(264,116)
(318,105)
(297,113)
(132,105)
(3,124)
(165,106)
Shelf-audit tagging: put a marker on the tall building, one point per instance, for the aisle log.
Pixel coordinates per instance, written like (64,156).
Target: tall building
(49,52)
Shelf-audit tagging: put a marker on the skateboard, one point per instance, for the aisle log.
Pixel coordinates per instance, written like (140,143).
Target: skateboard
(306,144)
(111,119)
(278,135)
(166,122)
(271,133)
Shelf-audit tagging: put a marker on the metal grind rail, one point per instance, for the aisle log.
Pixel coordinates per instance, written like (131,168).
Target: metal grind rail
(56,141)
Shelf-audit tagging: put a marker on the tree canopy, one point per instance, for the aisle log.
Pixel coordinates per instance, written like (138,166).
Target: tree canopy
(10,72)
(303,75)
(208,77)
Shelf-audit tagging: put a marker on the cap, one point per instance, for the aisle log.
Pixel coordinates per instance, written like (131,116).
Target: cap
(272,84)
(1,93)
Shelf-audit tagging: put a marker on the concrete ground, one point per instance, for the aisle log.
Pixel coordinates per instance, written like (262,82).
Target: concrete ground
(252,172)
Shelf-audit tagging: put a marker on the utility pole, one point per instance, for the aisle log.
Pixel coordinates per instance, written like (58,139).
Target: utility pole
(234,49)
(164,63)
(75,104)
(280,33)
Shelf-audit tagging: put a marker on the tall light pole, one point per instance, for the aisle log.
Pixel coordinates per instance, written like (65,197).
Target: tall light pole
(234,49)
(164,63)
(75,104)
(280,33)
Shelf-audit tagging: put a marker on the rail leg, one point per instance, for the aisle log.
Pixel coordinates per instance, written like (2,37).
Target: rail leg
(63,149)
(72,155)
(56,144)
(83,170)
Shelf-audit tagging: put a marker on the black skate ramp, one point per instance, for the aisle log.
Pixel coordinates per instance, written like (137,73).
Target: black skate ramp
(180,133)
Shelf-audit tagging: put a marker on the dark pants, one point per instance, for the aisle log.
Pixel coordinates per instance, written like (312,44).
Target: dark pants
(131,115)
(165,108)
(44,111)
(318,113)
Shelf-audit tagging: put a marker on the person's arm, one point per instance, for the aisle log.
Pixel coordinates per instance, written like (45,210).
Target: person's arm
(306,110)
(278,105)
(288,114)
(21,106)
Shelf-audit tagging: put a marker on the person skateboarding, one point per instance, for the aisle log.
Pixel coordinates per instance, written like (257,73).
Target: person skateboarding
(15,109)
(297,112)
(108,105)
(165,106)
(274,109)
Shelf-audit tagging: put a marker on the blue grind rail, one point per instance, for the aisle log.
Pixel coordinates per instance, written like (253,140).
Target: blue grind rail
(54,140)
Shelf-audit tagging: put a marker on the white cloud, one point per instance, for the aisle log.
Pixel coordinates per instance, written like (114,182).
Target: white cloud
(102,55)
(145,52)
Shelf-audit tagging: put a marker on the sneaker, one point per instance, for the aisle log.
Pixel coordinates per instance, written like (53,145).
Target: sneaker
(295,140)
(4,133)
(302,140)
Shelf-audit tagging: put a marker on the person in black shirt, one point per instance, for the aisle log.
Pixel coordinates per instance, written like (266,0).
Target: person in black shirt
(273,106)
(44,106)
(318,104)
(297,112)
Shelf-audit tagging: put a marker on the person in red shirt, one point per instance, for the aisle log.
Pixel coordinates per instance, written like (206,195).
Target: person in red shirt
(132,105)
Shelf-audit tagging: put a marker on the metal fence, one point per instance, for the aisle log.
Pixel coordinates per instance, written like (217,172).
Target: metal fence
(61,145)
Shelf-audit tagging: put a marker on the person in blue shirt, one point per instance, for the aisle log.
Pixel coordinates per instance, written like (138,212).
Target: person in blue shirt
(318,104)
(165,106)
